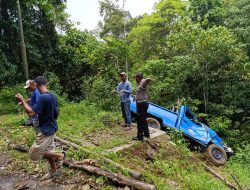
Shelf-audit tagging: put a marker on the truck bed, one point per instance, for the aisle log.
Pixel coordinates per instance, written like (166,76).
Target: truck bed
(167,117)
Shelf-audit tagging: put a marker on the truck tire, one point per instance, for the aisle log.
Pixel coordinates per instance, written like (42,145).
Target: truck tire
(216,154)
(154,123)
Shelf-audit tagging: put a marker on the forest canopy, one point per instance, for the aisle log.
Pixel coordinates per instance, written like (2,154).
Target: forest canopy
(197,51)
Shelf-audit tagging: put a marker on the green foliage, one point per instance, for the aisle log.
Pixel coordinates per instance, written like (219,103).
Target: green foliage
(238,20)
(114,19)
(7,70)
(223,127)
(208,12)
(148,35)
(8,102)
(243,155)
(80,51)
(78,119)
(54,82)
(39,21)
(195,51)
(115,53)
(218,61)
(239,166)
(244,127)
(99,93)
(207,67)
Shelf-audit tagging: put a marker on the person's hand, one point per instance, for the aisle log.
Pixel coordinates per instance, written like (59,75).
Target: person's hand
(121,92)
(150,79)
(113,91)
(20,103)
(19,97)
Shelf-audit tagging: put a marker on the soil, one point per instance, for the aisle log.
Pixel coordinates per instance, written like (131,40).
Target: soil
(142,150)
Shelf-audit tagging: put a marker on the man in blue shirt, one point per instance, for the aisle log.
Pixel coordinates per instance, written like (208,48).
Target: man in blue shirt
(31,85)
(124,89)
(46,107)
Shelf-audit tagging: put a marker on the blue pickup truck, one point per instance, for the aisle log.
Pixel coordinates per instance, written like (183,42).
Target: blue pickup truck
(186,122)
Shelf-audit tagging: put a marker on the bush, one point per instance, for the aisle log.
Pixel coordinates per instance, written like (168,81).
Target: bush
(56,88)
(243,155)
(7,71)
(99,93)
(54,83)
(8,102)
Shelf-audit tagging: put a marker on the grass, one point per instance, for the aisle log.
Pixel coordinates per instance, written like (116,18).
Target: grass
(173,167)
(240,171)
(78,120)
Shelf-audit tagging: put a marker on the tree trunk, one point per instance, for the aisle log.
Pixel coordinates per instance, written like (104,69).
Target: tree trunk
(116,178)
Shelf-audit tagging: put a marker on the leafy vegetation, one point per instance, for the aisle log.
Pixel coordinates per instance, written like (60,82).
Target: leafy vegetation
(172,167)
(196,51)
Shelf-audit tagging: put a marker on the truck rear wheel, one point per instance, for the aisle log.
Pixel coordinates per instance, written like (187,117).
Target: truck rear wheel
(216,154)
(154,123)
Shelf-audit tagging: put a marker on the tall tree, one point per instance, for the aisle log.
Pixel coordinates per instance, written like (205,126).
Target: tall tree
(238,20)
(204,64)
(80,57)
(148,36)
(208,12)
(40,19)
(114,19)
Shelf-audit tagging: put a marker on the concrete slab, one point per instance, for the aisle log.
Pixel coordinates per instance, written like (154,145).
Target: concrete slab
(153,134)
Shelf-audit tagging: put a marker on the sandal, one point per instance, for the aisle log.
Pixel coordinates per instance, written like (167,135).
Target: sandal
(124,125)
(127,128)
(50,175)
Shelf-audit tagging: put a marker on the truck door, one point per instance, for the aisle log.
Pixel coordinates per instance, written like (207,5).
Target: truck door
(180,117)
(189,125)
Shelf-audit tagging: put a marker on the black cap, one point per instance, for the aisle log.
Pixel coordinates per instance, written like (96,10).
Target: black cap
(41,80)
(139,75)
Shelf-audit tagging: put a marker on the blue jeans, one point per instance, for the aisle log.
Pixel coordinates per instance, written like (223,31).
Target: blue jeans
(125,106)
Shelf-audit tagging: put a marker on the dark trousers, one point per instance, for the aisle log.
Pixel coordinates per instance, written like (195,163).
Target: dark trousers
(125,106)
(142,125)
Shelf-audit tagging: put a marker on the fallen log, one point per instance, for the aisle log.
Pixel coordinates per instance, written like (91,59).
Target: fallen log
(20,148)
(133,173)
(236,181)
(209,169)
(116,178)
(75,146)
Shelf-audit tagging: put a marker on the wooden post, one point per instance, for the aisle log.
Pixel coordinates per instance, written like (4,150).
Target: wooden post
(23,48)
(124,33)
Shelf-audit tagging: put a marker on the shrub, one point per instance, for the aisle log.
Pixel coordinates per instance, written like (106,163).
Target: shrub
(243,155)
(54,83)
(99,92)
(8,102)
